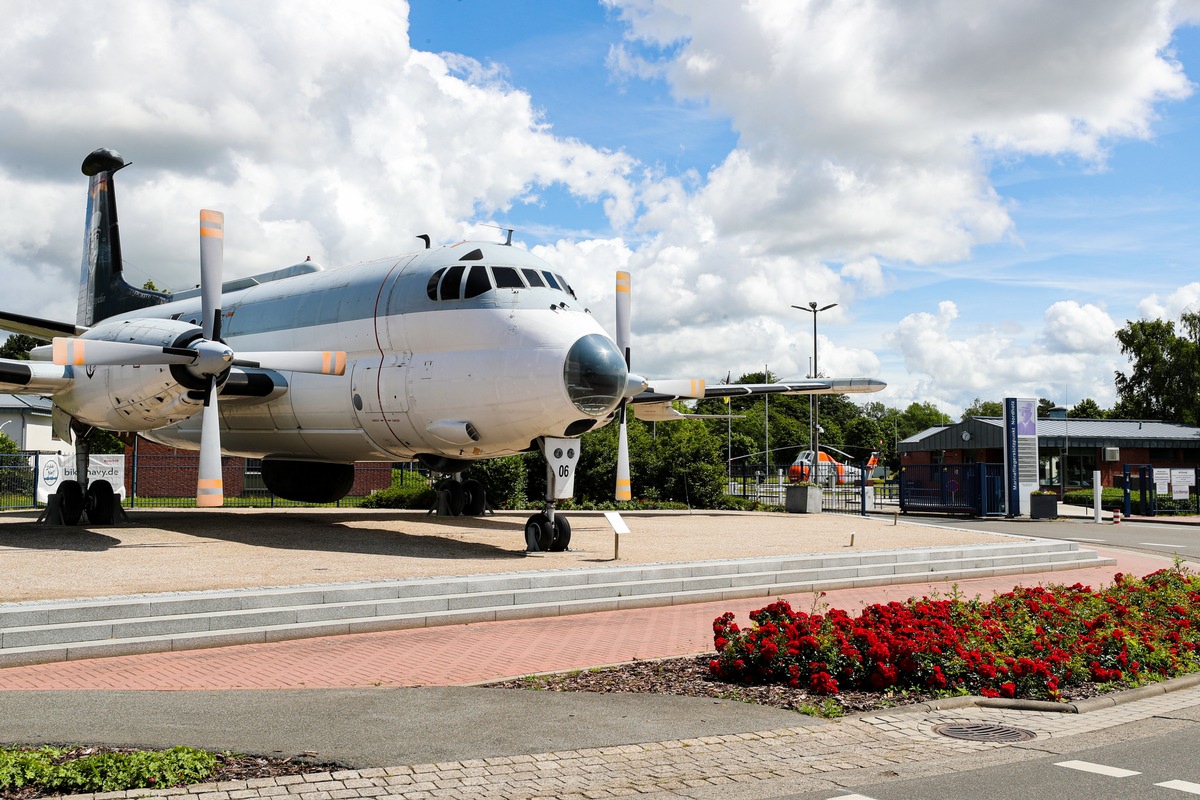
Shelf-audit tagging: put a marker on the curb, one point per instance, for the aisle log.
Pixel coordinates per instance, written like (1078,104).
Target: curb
(1078,707)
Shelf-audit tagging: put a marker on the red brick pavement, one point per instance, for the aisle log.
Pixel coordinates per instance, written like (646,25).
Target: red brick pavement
(461,654)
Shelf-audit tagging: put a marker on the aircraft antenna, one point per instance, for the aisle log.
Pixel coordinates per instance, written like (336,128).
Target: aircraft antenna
(425,238)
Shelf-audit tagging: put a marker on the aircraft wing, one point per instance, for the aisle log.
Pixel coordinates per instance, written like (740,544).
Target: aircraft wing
(666,391)
(37,327)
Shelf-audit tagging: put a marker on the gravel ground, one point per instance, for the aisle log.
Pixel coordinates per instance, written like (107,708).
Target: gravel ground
(191,550)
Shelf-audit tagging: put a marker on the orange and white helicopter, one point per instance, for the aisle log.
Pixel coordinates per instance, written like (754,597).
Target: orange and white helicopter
(829,471)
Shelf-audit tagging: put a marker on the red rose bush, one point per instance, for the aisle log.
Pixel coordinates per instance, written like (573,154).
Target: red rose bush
(1030,642)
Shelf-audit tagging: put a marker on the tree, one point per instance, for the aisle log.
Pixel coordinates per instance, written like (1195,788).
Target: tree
(1164,375)
(1087,408)
(18,346)
(984,408)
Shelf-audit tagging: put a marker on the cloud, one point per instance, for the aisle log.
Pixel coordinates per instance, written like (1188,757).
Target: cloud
(320,132)
(1185,298)
(1074,354)
(1075,328)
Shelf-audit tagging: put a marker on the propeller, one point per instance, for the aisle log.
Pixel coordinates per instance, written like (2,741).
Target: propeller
(624,486)
(210,485)
(206,357)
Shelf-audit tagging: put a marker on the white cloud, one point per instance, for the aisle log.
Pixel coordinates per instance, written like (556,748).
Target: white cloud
(1185,298)
(951,366)
(318,130)
(1075,328)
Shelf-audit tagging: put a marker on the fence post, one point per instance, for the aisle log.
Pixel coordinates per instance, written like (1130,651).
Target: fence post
(134,475)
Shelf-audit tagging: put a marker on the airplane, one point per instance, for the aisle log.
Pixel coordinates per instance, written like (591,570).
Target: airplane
(446,355)
(830,471)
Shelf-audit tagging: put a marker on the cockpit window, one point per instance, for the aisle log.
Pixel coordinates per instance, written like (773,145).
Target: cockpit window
(431,287)
(467,281)
(478,282)
(566,287)
(507,278)
(450,283)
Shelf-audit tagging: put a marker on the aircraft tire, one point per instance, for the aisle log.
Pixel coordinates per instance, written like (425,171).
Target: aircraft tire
(100,503)
(475,502)
(539,534)
(70,499)
(456,498)
(562,534)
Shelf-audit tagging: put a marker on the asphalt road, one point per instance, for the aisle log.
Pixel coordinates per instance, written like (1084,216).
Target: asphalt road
(371,727)
(1162,538)
(1154,758)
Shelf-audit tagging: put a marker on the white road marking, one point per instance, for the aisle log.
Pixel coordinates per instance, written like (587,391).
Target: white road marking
(1099,769)
(851,797)
(1081,539)
(1183,786)
(1157,544)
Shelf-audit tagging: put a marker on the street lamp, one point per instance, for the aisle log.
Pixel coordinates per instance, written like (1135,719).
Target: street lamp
(816,425)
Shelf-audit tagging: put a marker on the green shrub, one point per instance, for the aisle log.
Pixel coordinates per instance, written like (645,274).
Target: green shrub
(53,770)
(409,489)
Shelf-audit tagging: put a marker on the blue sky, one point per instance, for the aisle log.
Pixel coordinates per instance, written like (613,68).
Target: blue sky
(987,192)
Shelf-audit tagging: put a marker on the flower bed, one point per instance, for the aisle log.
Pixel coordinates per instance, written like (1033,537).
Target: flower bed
(1030,642)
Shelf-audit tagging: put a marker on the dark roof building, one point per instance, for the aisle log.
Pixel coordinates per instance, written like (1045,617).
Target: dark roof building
(1069,449)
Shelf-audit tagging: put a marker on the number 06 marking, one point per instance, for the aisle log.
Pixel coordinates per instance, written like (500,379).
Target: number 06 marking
(564,471)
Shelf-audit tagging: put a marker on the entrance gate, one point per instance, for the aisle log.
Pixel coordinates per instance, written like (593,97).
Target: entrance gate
(953,488)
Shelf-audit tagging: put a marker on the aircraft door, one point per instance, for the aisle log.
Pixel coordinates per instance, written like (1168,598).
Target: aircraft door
(380,399)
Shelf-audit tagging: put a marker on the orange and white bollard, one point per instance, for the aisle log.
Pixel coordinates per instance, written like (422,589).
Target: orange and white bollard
(1116,517)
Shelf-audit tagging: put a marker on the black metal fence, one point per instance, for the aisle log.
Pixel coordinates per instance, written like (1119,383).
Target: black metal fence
(768,485)
(953,488)
(169,481)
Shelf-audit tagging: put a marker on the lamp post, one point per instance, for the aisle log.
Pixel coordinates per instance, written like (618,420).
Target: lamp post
(816,432)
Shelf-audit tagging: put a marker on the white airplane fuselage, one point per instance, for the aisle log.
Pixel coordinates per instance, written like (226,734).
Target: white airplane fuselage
(428,369)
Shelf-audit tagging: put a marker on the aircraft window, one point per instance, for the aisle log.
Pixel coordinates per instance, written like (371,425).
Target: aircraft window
(478,281)
(550,280)
(566,287)
(474,255)
(450,283)
(535,280)
(507,278)
(431,288)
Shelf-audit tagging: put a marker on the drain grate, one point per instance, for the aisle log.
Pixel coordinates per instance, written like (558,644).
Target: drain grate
(983,732)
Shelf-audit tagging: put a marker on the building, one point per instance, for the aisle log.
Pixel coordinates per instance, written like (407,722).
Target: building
(1069,450)
(27,420)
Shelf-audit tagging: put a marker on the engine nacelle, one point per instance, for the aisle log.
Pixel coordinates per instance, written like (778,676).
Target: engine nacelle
(136,398)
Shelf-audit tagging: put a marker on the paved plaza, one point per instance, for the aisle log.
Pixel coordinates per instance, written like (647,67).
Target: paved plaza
(406,695)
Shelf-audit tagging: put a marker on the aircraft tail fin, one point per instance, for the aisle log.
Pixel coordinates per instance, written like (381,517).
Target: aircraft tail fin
(103,291)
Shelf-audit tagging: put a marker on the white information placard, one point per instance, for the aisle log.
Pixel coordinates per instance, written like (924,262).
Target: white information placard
(53,470)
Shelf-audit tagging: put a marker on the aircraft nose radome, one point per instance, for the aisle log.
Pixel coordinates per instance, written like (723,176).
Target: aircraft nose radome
(595,375)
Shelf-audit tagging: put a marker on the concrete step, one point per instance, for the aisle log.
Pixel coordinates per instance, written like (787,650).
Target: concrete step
(39,632)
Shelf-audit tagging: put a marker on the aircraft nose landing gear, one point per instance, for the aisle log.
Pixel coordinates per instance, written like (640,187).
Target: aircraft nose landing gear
(549,530)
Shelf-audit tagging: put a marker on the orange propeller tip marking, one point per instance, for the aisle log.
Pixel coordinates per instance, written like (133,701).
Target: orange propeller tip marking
(333,362)
(210,500)
(623,282)
(212,223)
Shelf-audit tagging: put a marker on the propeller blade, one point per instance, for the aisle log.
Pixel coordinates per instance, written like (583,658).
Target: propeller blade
(624,297)
(624,485)
(212,266)
(210,491)
(624,291)
(327,362)
(69,351)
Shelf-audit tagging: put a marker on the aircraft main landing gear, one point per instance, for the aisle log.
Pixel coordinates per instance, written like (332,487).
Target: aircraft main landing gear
(548,530)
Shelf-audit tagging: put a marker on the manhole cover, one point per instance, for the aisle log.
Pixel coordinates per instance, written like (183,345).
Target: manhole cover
(983,732)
